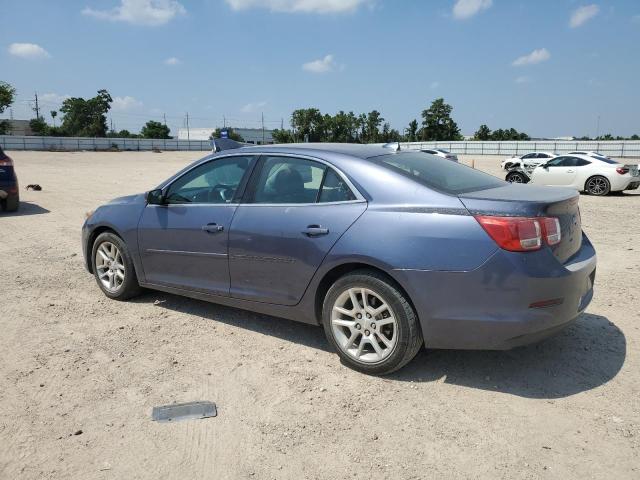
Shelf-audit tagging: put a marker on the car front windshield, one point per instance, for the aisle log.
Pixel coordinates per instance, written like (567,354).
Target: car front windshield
(437,173)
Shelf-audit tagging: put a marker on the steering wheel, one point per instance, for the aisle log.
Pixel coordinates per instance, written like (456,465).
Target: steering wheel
(227,191)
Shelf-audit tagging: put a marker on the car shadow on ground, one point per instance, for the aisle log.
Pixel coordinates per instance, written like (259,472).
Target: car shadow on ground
(584,356)
(25,208)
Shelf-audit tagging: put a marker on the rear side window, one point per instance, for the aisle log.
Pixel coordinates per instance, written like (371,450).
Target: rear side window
(438,173)
(334,189)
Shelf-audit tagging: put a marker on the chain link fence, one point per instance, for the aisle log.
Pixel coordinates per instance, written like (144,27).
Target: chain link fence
(17,142)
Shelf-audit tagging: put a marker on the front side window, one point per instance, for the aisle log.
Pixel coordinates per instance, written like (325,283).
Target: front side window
(213,182)
(558,162)
(298,180)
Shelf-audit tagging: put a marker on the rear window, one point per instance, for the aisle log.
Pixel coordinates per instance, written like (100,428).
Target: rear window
(438,173)
(606,160)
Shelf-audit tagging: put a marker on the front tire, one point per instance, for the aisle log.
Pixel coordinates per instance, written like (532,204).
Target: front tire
(598,185)
(516,177)
(113,267)
(371,323)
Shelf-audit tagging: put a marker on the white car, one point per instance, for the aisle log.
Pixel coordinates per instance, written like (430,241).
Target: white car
(439,152)
(527,160)
(594,175)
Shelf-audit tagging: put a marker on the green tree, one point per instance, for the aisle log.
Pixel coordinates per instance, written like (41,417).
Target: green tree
(437,123)
(483,133)
(282,136)
(38,126)
(231,133)
(7,96)
(54,114)
(372,125)
(635,137)
(412,131)
(86,118)
(153,129)
(308,124)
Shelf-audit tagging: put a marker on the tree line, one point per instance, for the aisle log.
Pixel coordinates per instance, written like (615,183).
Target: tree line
(88,118)
(80,117)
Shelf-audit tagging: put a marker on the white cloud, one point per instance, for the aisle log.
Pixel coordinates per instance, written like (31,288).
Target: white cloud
(252,107)
(301,6)
(123,104)
(464,9)
(523,79)
(537,56)
(582,15)
(322,65)
(52,99)
(140,12)
(172,61)
(28,50)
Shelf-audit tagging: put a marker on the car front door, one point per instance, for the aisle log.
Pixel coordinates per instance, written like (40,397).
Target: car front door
(558,171)
(294,211)
(183,242)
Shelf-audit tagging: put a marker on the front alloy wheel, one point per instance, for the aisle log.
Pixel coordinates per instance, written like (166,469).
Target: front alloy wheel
(113,267)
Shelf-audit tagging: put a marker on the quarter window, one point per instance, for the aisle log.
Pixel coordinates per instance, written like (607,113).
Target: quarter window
(213,182)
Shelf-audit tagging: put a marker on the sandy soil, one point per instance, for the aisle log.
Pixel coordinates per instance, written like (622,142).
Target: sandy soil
(79,374)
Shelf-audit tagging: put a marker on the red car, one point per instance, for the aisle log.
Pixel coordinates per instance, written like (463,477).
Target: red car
(9,192)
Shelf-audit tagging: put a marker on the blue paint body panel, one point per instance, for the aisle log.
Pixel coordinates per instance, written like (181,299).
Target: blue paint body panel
(467,292)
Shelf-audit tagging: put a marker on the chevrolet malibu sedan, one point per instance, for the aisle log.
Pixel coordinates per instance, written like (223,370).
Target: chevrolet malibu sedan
(388,250)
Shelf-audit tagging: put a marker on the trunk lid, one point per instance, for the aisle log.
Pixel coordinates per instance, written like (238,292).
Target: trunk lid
(519,200)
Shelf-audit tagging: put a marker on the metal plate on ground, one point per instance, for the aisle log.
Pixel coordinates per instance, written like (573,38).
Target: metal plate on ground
(184,411)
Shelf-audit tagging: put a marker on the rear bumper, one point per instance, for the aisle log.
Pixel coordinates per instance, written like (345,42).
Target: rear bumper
(491,308)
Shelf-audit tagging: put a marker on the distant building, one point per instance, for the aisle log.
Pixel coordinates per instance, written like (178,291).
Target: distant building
(18,127)
(250,135)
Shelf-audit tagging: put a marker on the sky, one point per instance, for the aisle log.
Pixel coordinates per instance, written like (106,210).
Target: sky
(546,67)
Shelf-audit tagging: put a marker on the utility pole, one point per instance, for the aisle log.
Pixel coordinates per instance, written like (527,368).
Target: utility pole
(282,124)
(224,121)
(262,128)
(598,127)
(164,116)
(111,122)
(188,135)
(37,109)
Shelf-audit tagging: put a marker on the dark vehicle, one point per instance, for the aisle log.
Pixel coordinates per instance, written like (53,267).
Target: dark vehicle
(9,191)
(387,249)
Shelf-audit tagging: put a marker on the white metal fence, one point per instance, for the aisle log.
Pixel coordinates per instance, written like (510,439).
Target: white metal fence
(17,142)
(616,148)
(612,148)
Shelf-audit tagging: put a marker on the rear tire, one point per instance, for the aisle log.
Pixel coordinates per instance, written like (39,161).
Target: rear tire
(598,186)
(516,177)
(10,204)
(377,335)
(113,267)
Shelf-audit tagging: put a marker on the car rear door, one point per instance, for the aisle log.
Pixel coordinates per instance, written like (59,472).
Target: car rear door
(183,243)
(294,211)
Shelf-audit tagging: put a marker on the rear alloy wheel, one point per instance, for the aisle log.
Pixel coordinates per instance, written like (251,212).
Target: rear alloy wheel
(516,177)
(370,323)
(113,267)
(598,185)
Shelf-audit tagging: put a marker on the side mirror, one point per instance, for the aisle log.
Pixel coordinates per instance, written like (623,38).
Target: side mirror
(155,197)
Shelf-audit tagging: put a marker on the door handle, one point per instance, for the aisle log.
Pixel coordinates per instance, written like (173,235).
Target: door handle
(315,231)
(571,171)
(212,228)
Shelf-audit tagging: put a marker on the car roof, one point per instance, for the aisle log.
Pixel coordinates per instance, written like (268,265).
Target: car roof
(350,149)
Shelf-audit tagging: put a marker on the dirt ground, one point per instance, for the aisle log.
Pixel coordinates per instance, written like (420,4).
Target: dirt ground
(79,374)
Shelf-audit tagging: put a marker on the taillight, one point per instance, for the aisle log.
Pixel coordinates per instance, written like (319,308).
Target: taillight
(622,170)
(551,230)
(6,162)
(521,234)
